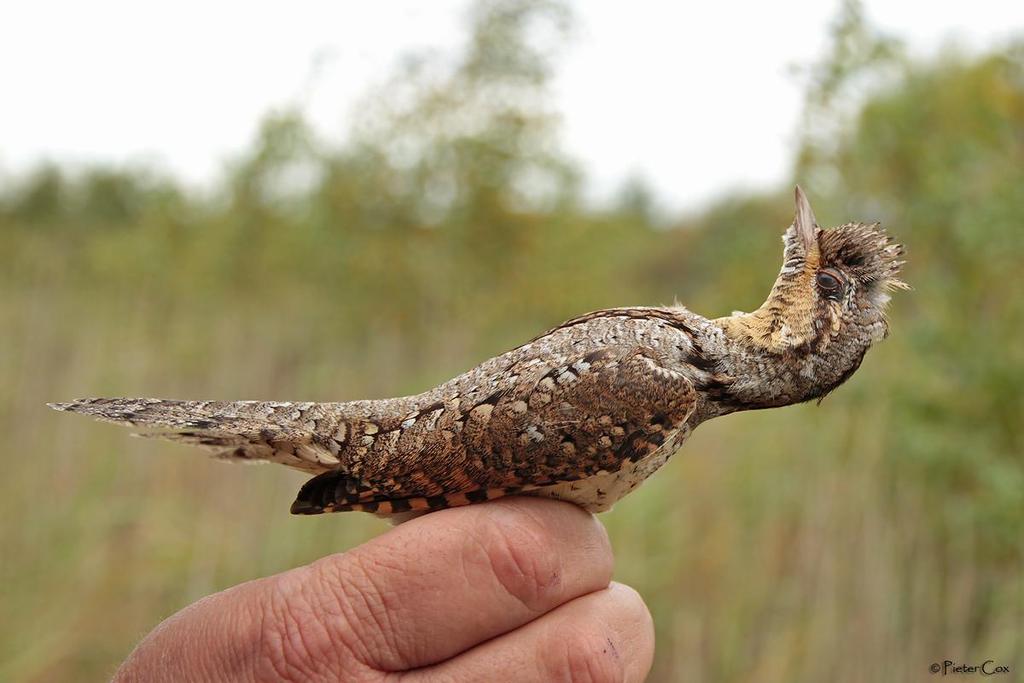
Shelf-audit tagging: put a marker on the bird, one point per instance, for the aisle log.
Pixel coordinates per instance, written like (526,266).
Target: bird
(584,412)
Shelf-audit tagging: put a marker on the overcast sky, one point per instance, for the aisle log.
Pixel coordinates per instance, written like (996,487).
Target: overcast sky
(694,97)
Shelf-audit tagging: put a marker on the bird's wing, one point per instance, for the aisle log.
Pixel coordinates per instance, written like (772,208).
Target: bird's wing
(543,421)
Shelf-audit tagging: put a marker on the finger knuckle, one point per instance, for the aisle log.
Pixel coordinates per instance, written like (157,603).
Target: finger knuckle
(522,555)
(292,638)
(583,657)
(302,634)
(359,609)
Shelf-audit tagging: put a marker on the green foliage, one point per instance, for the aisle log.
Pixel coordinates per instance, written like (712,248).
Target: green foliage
(939,157)
(887,522)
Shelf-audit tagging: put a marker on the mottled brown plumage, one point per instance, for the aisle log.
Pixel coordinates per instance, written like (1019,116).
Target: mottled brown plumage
(584,412)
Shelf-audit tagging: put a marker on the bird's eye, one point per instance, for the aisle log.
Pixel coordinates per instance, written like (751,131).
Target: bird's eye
(830,284)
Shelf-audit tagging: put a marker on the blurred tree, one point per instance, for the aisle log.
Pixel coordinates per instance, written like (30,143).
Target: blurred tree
(858,61)
(40,197)
(939,155)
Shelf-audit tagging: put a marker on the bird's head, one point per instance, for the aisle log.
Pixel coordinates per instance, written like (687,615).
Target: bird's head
(828,304)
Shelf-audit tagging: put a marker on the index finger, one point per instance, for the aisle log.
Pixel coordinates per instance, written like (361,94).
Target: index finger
(434,587)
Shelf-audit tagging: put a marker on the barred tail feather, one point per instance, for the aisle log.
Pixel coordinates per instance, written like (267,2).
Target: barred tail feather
(249,431)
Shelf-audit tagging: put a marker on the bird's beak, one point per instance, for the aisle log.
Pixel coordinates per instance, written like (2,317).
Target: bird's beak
(806,228)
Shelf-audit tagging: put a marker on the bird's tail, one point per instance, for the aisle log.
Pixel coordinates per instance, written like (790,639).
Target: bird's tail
(293,434)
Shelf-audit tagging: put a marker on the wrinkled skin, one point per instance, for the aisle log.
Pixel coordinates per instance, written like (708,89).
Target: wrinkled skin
(512,589)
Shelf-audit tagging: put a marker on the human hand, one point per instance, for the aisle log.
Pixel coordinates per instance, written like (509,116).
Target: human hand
(512,590)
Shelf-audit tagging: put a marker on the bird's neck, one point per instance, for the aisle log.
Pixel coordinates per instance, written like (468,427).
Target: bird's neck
(755,360)
(788,318)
